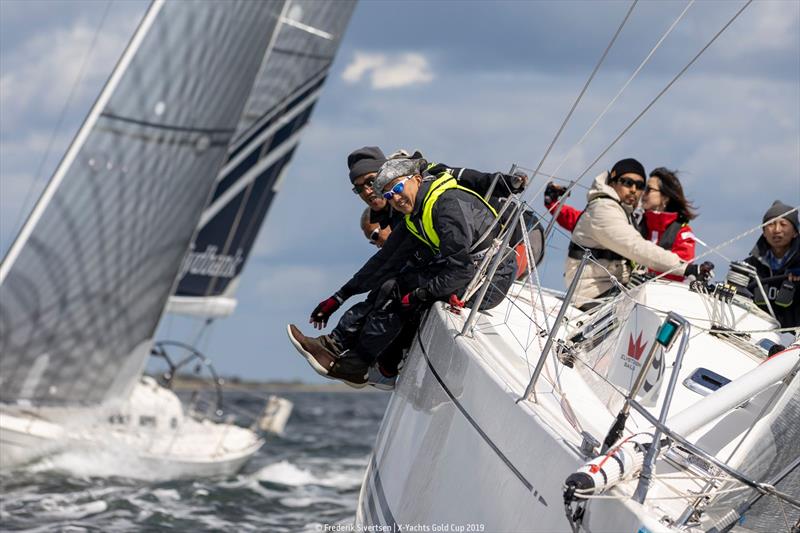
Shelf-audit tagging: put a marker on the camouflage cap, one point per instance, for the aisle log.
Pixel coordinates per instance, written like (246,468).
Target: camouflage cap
(393,169)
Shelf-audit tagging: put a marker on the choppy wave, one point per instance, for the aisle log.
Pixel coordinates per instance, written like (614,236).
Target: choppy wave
(309,477)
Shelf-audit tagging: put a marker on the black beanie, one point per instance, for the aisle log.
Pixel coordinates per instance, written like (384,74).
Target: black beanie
(365,160)
(777,209)
(628,165)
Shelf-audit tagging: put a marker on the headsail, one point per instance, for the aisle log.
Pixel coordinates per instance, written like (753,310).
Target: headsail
(287,87)
(83,287)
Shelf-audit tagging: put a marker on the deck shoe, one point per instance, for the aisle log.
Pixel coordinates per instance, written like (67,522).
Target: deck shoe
(351,369)
(320,352)
(378,379)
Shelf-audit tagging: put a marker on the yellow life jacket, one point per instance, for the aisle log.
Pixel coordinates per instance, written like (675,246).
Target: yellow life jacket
(427,233)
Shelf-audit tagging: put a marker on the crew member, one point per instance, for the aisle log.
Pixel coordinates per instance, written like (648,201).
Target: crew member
(776,257)
(665,219)
(607,230)
(444,222)
(373,231)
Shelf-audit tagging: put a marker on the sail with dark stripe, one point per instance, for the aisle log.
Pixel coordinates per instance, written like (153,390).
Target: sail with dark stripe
(84,285)
(283,98)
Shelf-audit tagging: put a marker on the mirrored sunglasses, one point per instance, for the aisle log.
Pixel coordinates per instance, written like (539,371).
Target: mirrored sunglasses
(397,189)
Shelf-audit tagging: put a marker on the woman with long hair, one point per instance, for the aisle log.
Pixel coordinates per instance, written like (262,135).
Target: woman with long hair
(667,214)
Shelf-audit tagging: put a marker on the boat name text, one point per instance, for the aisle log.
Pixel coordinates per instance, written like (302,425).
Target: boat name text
(211,264)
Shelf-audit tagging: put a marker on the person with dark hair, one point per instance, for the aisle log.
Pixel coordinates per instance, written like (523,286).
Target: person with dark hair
(665,220)
(449,225)
(606,228)
(776,258)
(666,216)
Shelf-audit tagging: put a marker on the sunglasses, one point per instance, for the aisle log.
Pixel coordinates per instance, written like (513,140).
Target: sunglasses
(648,190)
(358,189)
(629,182)
(373,237)
(397,189)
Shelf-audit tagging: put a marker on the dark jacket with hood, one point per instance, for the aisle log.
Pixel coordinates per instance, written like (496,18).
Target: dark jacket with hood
(460,219)
(787,315)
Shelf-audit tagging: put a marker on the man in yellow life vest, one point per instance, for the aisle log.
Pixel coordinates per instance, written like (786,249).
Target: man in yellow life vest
(447,225)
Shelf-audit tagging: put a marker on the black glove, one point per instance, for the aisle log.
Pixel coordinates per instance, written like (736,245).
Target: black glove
(702,272)
(553,193)
(323,311)
(638,278)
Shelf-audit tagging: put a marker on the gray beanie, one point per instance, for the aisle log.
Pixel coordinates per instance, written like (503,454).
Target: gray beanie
(393,169)
(365,160)
(777,209)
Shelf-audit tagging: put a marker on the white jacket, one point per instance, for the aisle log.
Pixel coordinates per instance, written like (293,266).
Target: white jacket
(606,224)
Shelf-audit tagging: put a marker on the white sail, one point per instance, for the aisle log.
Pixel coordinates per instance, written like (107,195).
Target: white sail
(288,85)
(84,285)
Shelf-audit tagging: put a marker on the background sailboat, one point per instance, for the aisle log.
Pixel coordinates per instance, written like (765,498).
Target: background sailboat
(83,286)
(289,83)
(288,86)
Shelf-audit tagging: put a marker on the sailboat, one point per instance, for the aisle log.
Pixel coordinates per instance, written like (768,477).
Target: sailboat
(84,285)
(669,407)
(286,90)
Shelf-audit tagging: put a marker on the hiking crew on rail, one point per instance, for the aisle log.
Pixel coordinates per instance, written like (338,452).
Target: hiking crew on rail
(432,256)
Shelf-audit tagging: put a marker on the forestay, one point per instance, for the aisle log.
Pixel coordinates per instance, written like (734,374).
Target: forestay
(83,287)
(287,87)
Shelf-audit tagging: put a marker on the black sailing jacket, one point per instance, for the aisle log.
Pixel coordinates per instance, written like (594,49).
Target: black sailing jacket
(787,315)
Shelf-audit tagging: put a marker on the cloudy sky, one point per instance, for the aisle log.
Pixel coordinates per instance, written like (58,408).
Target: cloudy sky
(479,84)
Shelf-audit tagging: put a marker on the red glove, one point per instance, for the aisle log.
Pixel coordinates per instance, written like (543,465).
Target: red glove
(455,302)
(414,298)
(321,313)
(407,301)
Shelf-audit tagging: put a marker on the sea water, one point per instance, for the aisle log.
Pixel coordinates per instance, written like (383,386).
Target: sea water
(303,481)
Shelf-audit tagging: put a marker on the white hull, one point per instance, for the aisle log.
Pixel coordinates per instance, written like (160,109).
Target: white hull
(454,449)
(148,437)
(457,452)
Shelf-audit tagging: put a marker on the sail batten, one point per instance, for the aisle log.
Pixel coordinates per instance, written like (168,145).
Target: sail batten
(84,286)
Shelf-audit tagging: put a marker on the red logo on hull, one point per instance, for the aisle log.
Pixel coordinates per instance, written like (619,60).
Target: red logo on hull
(636,349)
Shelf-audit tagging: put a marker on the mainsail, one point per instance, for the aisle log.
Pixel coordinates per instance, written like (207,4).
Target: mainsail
(84,285)
(288,85)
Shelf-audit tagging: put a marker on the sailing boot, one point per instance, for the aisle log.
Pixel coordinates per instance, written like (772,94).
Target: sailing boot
(327,358)
(380,378)
(320,352)
(352,369)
